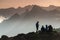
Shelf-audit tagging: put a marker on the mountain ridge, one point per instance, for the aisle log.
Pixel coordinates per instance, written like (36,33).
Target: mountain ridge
(5,12)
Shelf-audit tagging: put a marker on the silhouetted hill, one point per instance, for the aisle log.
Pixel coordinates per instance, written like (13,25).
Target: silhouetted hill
(57,29)
(34,36)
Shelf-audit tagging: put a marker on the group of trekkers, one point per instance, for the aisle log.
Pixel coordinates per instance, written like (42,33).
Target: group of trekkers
(47,28)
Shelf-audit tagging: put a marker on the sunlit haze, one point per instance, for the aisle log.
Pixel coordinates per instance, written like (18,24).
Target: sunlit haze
(1,19)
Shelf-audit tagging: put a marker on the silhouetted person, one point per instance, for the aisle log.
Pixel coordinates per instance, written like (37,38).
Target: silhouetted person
(50,28)
(46,28)
(37,26)
(42,28)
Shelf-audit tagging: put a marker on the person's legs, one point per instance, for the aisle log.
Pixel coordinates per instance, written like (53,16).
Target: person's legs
(37,28)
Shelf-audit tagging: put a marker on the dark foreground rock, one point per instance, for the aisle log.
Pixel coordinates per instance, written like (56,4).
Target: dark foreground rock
(34,36)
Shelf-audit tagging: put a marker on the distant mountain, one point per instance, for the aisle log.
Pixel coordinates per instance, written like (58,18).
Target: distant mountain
(22,10)
(7,12)
(11,11)
(15,16)
(39,13)
(51,7)
(36,11)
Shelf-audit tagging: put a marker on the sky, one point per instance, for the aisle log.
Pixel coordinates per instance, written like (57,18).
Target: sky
(22,3)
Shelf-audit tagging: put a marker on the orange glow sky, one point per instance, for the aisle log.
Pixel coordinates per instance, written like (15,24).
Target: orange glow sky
(22,3)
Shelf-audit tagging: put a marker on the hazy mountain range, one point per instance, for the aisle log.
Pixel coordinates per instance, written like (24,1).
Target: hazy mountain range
(22,20)
(10,11)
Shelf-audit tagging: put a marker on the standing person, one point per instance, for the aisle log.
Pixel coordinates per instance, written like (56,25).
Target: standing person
(37,26)
(50,28)
(46,29)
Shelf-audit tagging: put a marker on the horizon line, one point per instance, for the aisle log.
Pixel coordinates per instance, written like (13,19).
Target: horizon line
(28,5)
